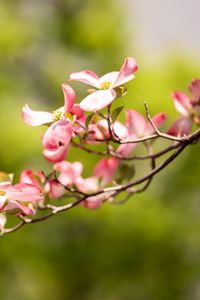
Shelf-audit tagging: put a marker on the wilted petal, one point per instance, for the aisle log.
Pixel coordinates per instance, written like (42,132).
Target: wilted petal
(106,168)
(58,134)
(98,100)
(57,155)
(69,96)
(194,88)
(127,70)
(135,123)
(36,118)
(87,77)
(180,127)
(182,103)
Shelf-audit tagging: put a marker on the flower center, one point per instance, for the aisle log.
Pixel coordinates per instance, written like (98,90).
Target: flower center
(105,85)
(2,193)
(57,115)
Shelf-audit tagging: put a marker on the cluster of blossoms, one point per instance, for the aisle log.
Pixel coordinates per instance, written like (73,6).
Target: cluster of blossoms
(71,125)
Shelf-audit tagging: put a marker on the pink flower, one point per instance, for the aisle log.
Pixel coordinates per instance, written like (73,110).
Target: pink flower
(59,133)
(30,177)
(106,169)
(188,108)
(106,85)
(138,127)
(69,172)
(19,198)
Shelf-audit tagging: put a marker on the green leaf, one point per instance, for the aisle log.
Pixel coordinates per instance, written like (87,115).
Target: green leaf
(116,112)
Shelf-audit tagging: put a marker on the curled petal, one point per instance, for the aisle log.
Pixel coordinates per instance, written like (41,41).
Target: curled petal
(194,88)
(106,168)
(57,135)
(69,96)
(180,127)
(87,77)
(76,110)
(135,123)
(182,103)
(98,100)
(57,155)
(127,70)
(36,118)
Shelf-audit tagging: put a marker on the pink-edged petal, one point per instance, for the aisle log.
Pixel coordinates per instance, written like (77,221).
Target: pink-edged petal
(56,156)
(182,103)
(58,134)
(69,96)
(24,192)
(87,77)
(55,189)
(36,118)
(77,111)
(27,176)
(69,172)
(180,127)
(109,77)
(106,168)
(128,68)
(87,185)
(135,123)
(194,88)
(3,221)
(158,120)
(14,207)
(126,149)
(98,100)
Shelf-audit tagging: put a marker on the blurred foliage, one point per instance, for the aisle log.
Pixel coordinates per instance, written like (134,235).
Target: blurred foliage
(146,249)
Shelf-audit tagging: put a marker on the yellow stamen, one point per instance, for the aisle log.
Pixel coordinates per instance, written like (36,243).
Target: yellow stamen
(105,85)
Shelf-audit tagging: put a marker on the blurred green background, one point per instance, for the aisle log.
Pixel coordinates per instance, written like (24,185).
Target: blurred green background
(148,248)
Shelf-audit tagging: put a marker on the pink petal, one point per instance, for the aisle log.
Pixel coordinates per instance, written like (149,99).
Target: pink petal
(98,100)
(55,189)
(87,77)
(58,134)
(56,156)
(126,149)
(69,96)
(68,171)
(15,207)
(76,110)
(120,130)
(127,70)
(87,185)
(158,120)
(36,118)
(27,176)
(194,88)
(135,123)
(109,77)
(106,169)
(180,127)
(24,192)
(182,103)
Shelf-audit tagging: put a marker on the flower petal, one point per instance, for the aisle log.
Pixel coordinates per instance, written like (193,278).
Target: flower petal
(194,88)
(87,185)
(180,127)
(106,168)
(56,156)
(36,118)
(77,111)
(98,100)
(109,77)
(135,123)
(158,120)
(182,103)
(68,171)
(58,134)
(87,77)
(128,68)
(69,96)
(126,149)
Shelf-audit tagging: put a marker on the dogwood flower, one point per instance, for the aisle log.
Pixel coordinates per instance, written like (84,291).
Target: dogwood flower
(106,169)
(138,127)
(59,133)
(188,108)
(107,85)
